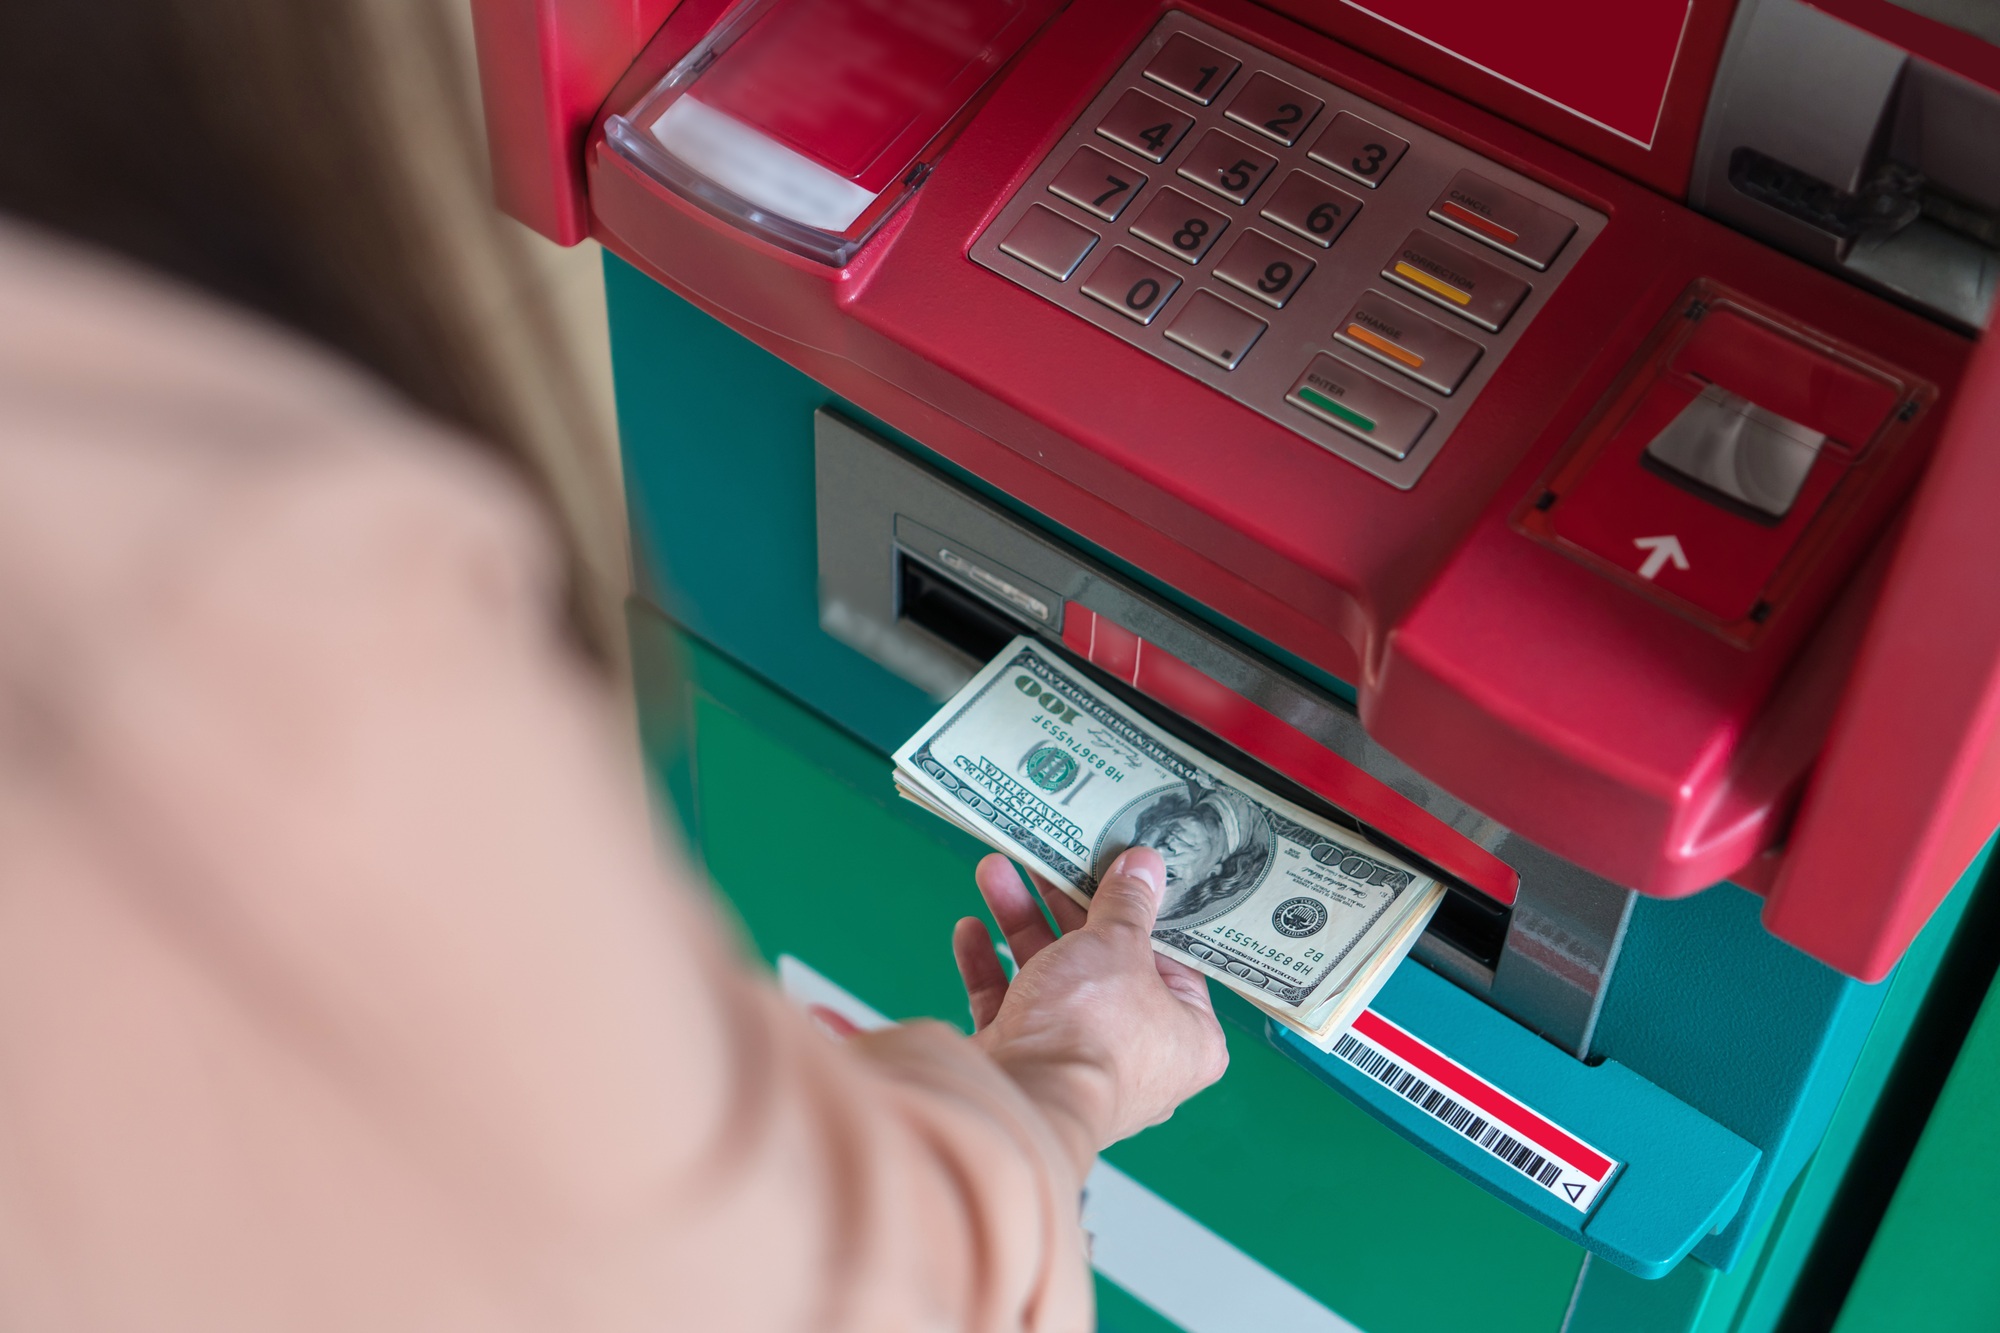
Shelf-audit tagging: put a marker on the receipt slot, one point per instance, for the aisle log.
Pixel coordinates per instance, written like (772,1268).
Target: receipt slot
(1404,410)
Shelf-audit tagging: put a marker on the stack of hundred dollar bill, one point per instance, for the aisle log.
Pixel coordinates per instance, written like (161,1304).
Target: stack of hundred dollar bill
(1303,918)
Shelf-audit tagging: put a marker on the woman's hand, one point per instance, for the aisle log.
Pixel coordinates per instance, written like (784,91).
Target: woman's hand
(1105,1035)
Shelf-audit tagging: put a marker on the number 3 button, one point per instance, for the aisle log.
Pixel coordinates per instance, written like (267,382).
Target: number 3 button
(1136,288)
(1355,148)
(1268,271)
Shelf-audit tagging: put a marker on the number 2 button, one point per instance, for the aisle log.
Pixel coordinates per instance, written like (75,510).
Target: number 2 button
(1225,164)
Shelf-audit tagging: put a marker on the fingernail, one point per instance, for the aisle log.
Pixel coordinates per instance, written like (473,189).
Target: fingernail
(1141,868)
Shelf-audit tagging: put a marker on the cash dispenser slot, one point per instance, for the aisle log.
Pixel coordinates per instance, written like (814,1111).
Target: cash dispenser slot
(929,579)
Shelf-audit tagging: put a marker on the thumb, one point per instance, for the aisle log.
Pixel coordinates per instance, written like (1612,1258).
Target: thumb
(1128,897)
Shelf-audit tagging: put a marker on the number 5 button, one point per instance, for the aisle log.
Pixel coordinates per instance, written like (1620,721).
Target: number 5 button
(1268,271)
(1225,164)
(1134,287)
(1309,207)
(1355,148)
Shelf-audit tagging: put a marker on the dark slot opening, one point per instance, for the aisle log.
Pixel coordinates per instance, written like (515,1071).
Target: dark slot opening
(968,623)
(1467,919)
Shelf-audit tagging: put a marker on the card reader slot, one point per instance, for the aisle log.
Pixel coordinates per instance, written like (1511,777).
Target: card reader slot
(1467,921)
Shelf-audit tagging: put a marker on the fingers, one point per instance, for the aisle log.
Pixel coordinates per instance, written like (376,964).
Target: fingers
(1013,907)
(1185,982)
(1128,897)
(1067,911)
(979,967)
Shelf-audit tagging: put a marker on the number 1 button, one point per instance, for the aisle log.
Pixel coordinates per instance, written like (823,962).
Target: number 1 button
(1134,287)
(1358,150)
(1195,70)
(1146,125)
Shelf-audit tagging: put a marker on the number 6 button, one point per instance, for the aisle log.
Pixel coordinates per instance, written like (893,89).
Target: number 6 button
(1268,271)
(1310,207)
(1225,164)
(1134,287)
(1355,148)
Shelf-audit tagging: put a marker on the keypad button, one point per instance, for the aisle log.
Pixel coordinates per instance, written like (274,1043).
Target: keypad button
(1266,270)
(1136,288)
(1311,209)
(1215,330)
(1195,70)
(1228,166)
(1502,219)
(1049,241)
(1404,340)
(1146,125)
(1097,184)
(1274,109)
(1354,401)
(1180,226)
(1359,150)
(1461,282)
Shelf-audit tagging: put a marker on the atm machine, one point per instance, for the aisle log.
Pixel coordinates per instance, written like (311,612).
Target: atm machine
(1553,437)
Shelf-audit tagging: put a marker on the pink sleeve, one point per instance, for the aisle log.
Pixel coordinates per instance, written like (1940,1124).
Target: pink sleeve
(341,981)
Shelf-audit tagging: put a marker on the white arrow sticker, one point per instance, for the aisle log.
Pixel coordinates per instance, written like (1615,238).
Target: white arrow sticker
(1659,550)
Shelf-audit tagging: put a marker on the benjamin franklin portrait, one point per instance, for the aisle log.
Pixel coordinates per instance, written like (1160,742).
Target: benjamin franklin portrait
(1216,844)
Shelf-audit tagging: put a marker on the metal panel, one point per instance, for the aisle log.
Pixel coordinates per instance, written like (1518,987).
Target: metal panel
(875,502)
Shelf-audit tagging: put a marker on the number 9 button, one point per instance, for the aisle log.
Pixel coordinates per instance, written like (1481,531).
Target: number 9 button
(1310,208)
(1268,271)
(1353,147)
(1179,225)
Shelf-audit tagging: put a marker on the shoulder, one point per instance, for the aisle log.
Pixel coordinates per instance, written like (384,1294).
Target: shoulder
(167,463)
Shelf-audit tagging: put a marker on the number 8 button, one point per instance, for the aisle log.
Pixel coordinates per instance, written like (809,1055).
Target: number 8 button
(1180,226)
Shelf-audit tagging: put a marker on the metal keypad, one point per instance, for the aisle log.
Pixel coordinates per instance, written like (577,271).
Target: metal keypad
(1338,206)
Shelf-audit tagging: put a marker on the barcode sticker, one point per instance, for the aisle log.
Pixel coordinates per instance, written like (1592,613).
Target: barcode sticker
(1459,1099)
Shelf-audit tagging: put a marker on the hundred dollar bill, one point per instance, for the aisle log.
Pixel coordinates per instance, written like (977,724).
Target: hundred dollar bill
(1270,899)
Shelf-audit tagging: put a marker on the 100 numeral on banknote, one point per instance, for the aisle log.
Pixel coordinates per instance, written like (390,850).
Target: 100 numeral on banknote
(1260,894)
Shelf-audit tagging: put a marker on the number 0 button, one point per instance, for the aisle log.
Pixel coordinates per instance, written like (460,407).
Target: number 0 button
(1268,271)
(1136,288)
(1225,164)
(1308,207)
(1180,226)
(1357,149)
(1146,125)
